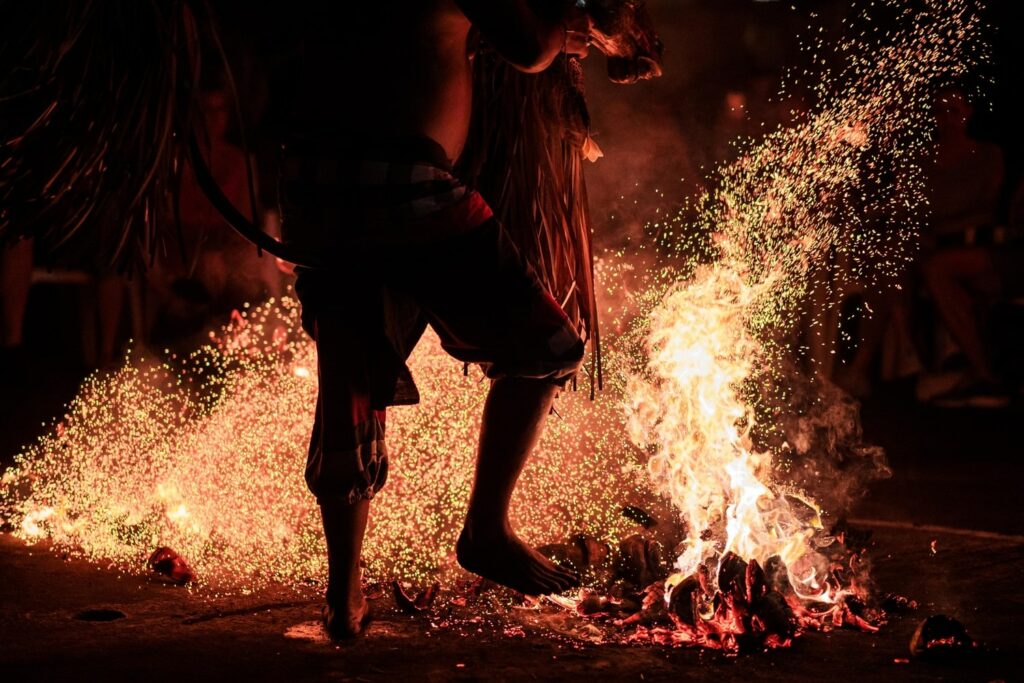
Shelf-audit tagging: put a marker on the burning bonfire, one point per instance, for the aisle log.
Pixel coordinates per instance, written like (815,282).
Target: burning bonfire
(758,563)
(742,452)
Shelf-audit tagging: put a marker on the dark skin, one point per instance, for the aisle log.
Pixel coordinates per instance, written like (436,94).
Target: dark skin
(424,87)
(403,67)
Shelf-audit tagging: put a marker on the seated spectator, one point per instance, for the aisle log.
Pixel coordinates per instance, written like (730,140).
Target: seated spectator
(958,267)
(961,247)
(220,270)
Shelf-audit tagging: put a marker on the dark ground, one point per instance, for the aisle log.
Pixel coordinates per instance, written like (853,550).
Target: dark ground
(170,634)
(957,481)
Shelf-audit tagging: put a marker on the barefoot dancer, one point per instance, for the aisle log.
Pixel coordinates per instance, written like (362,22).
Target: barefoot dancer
(368,180)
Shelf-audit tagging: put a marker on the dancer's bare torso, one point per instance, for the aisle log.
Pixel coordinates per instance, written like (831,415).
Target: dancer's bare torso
(397,68)
(392,68)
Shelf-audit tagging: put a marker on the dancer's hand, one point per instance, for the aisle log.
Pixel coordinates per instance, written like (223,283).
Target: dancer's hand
(577,26)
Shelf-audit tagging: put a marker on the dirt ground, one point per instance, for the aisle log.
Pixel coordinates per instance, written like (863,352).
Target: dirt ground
(168,633)
(957,481)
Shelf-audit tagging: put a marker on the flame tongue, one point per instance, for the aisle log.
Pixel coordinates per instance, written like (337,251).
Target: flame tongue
(702,352)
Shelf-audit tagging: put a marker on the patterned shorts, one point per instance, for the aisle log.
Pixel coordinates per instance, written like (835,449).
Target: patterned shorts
(418,249)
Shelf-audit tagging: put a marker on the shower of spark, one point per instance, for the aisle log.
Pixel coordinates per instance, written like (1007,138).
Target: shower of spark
(843,185)
(205,454)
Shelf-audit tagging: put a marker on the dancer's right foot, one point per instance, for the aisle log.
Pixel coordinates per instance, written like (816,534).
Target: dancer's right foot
(503,558)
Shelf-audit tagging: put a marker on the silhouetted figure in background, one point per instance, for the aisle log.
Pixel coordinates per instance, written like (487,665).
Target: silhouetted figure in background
(220,270)
(963,181)
(959,273)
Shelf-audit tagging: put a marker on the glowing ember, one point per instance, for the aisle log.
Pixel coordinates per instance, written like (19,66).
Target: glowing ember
(205,455)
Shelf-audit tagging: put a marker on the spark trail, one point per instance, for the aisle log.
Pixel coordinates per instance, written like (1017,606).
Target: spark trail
(844,181)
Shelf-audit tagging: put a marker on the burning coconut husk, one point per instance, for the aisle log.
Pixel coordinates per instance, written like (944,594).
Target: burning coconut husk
(941,638)
(734,606)
(631,596)
(166,562)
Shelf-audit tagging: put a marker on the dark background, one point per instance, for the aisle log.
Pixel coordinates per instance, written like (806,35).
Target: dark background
(659,132)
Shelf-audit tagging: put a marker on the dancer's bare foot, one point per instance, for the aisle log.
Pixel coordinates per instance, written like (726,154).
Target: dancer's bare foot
(503,558)
(347,619)
(347,613)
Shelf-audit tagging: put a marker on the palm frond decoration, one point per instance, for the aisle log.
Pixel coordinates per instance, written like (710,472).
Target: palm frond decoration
(94,100)
(525,156)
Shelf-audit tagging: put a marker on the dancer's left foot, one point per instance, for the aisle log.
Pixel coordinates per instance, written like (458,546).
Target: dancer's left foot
(348,621)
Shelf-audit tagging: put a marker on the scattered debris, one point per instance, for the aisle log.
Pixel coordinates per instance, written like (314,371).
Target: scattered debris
(640,516)
(940,637)
(898,604)
(421,603)
(170,564)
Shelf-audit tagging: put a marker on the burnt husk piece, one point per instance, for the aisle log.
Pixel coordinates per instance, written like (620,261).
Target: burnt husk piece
(942,638)
(170,564)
